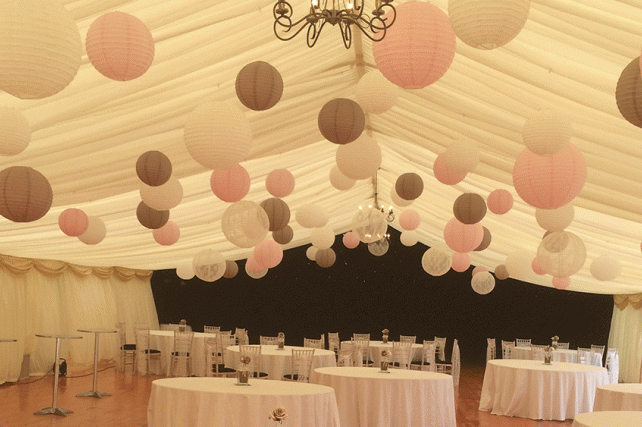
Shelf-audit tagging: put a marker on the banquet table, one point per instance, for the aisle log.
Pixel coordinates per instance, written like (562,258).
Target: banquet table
(219,402)
(557,355)
(609,419)
(369,398)
(278,362)
(164,341)
(376,347)
(618,397)
(532,389)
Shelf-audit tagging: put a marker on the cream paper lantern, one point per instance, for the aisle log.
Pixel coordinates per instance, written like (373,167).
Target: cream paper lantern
(162,197)
(409,238)
(311,253)
(518,264)
(245,224)
(15,132)
(255,274)
(436,262)
(606,267)
(483,282)
(369,224)
(555,219)
(360,159)
(462,155)
(375,93)
(209,265)
(311,215)
(547,132)
(501,272)
(185,271)
(95,233)
(322,237)
(218,135)
(487,24)
(561,254)
(339,180)
(40,48)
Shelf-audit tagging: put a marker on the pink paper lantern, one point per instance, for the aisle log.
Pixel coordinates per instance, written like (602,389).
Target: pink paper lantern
(168,234)
(279,183)
(561,282)
(418,49)
(120,46)
(350,240)
(253,266)
(463,237)
(73,222)
(409,219)
(444,174)
(479,269)
(460,262)
(549,182)
(231,184)
(268,253)
(499,201)
(537,268)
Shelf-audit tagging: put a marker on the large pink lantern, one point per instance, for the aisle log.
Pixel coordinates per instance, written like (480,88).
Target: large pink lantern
(409,219)
(268,253)
(279,183)
(73,222)
(350,240)
(231,184)
(418,49)
(499,201)
(552,181)
(460,262)
(444,174)
(463,237)
(561,282)
(168,234)
(252,265)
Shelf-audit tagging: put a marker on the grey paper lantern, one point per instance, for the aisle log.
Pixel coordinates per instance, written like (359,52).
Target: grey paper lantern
(25,194)
(325,257)
(259,86)
(153,168)
(485,240)
(501,273)
(341,121)
(231,269)
(283,236)
(469,208)
(151,218)
(628,93)
(278,213)
(409,186)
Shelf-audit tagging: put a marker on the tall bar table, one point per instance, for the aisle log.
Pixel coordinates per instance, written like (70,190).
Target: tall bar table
(54,409)
(96,331)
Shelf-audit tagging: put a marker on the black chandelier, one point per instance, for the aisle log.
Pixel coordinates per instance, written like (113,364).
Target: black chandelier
(346,13)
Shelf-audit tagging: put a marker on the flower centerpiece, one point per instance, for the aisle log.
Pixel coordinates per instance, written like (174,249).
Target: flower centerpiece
(278,415)
(554,341)
(385,336)
(384,360)
(280,342)
(243,372)
(548,350)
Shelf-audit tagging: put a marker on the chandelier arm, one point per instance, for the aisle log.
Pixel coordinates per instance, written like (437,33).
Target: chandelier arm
(314,32)
(346,33)
(283,24)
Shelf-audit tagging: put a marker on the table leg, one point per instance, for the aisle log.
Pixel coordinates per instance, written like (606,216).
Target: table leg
(94,392)
(54,409)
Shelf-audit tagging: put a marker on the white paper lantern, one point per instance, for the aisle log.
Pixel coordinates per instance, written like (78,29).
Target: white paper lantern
(185,271)
(322,238)
(40,48)
(218,135)
(339,180)
(15,132)
(436,262)
(561,254)
(547,132)
(555,219)
(375,93)
(163,197)
(487,24)
(483,282)
(311,216)
(256,275)
(311,253)
(209,265)
(245,224)
(606,267)
(380,247)
(369,224)
(360,159)
(409,238)
(518,265)
(462,155)
(95,233)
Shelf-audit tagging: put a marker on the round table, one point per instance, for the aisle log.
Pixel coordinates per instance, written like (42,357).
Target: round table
(96,331)
(164,341)
(278,362)
(557,355)
(532,389)
(219,402)
(368,397)
(609,419)
(376,347)
(618,397)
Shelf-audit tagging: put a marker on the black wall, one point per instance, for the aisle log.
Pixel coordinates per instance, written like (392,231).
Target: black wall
(364,293)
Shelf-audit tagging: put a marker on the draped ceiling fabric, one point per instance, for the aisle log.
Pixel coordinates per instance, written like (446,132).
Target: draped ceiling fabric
(87,138)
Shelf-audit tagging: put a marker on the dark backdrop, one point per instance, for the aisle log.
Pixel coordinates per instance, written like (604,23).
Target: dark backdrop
(364,293)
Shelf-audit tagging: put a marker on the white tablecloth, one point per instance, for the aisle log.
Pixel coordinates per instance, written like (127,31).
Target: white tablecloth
(218,402)
(164,341)
(376,347)
(401,398)
(277,363)
(559,355)
(531,389)
(609,419)
(618,397)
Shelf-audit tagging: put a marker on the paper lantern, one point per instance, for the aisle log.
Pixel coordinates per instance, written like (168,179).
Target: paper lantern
(163,197)
(151,218)
(375,93)
(409,238)
(120,46)
(259,86)
(350,240)
(483,283)
(339,180)
(369,224)
(380,247)
(561,282)
(485,240)
(185,271)
(398,200)
(418,49)
(209,265)
(278,213)
(463,237)
(499,201)
(501,273)
(435,262)
(341,121)
(153,168)
(409,186)
(40,48)
(168,234)
(268,253)
(461,156)
(444,174)
(549,182)
(311,253)
(245,224)
(547,132)
(253,266)
(555,219)
(95,233)
(283,236)
(231,184)
(606,267)
(218,135)
(628,93)
(322,237)
(409,219)
(231,269)
(360,159)
(325,258)
(280,183)
(460,262)
(25,194)
(479,269)
(73,222)
(469,208)
(537,269)
(15,132)
(256,275)
(487,24)
(518,265)
(561,254)
(311,216)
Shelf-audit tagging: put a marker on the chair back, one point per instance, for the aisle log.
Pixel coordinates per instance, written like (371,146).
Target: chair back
(522,342)
(361,337)
(334,343)
(313,343)
(538,352)
(183,343)
(585,356)
(302,364)
(142,350)
(241,336)
(613,365)
(211,329)
(428,356)
(344,357)
(360,352)
(491,349)
(263,340)
(507,349)
(562,345)
(212,357)
(408,338)
(440,348)
(456,361)
(254,352)
(402,354)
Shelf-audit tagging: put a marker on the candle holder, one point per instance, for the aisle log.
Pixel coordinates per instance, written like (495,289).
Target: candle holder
(384,363)
(242,377)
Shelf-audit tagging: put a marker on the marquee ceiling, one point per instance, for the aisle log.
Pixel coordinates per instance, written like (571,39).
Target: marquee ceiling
(87,138)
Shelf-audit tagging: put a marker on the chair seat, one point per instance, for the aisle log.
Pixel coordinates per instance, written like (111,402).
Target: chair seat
(176,354)
(129,347)
(152,351)
(291,377)
(260,374)
(222,369)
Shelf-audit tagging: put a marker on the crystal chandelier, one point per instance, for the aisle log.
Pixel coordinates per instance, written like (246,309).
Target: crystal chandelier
(380,247)
(346,13)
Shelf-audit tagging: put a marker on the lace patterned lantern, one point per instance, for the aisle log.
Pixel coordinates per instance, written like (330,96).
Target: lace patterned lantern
(369,224)
(436,262)
(209,265)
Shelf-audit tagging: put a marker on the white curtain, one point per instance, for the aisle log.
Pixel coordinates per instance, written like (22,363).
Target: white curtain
(626,336)
(51,297)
